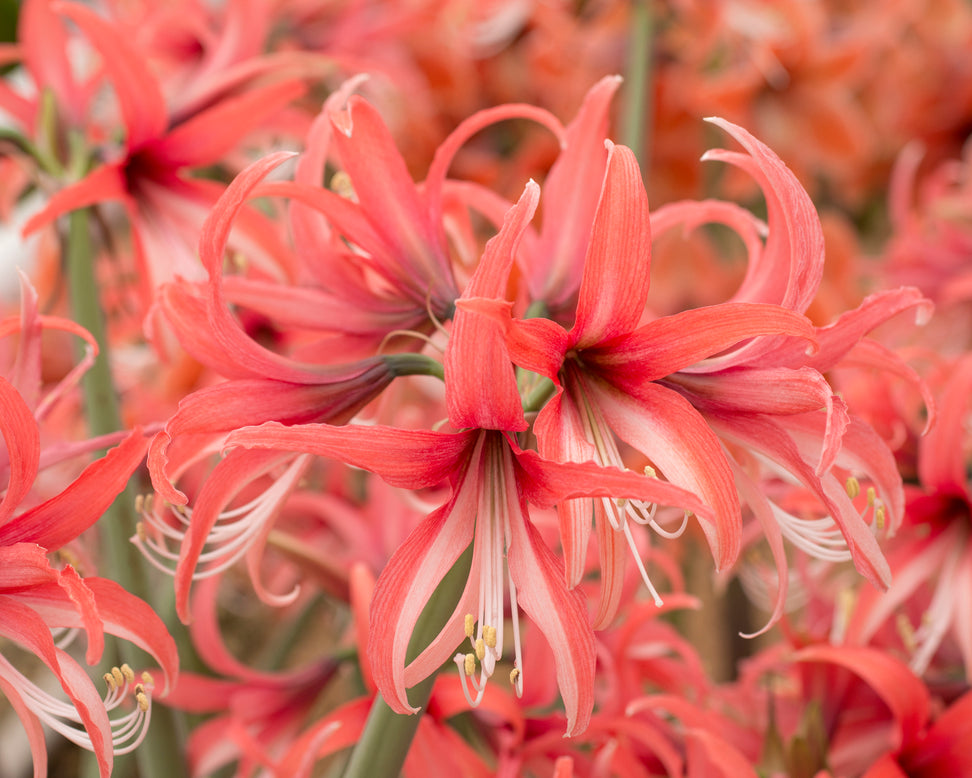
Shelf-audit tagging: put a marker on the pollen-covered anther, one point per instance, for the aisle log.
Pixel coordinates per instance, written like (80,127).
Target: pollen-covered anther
(127,673)
(141,531)
(469,664)
(880,517)
(342,185)
(907,633)
(142,701)
(871,495)
(110,682)
(853,487)
(147,678)
(470,625)
(514,675)
(480,649)
(651,472)
(489,636)
(116,674)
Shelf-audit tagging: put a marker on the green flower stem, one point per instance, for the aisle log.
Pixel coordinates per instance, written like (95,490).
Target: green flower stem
(160,755)
(415,364)
(636,120)
(387,736)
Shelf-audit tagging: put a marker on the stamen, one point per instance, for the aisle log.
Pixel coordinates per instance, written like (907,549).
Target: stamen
(470,625)
(127,672)
(110,682)
(489,635)
(853,487)
(116,673)
(469,664)
(480,649)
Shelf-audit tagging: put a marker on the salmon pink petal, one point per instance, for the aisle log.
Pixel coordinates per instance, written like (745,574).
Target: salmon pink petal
(941,463)
(22,439)
(104,183)
(791,266)
(662,425)
(209,135)
(560,614)
(900,689)
(614,285)
(405,586)
(571,199)
(683,341)
(394,206)
(30,722)
(45,47)
(23,626)
(411,459)
(480,382)
(63,517)
(139,94)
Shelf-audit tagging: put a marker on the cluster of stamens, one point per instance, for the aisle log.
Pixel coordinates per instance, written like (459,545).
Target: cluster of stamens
(128,730)
(163,527)
(486,652)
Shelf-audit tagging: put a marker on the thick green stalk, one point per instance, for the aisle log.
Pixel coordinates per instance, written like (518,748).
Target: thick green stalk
(636,120)
(160,755)
(387,736)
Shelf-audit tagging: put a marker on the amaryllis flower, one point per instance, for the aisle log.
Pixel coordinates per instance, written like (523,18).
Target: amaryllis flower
(264,386)
(687,389)
(39,594)
(492,481)
(148,176)
(931,559)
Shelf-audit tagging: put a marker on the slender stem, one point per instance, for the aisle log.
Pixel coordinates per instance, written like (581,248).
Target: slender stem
(159,756)
(387,736)
(636,122)
(414,364)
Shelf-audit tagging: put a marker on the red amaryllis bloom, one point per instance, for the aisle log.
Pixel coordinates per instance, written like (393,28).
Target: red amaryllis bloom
(695,390)
(932,560)
(148,176)
(492,482)
(38,595)
(263,386)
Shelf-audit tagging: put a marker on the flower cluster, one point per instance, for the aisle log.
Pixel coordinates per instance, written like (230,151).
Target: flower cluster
(460,419)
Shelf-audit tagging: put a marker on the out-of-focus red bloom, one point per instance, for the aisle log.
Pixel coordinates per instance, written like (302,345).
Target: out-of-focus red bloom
(922,611)
(149,175)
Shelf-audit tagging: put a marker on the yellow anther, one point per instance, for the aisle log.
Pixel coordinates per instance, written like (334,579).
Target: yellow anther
(470,625)
(116,674)
(907,632)
(142,701)
(880,517)
(489,635)
(139,503)
(621,502)
(469,664)
(514,675)
(147,678)
(853,487)
(140,531)
(871,495)
(341,184)
(139,689)
(110,680)
(651,472)
(127,672)
(480,650)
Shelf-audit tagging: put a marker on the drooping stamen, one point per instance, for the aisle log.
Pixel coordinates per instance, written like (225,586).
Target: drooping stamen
(128,730)
(160,539)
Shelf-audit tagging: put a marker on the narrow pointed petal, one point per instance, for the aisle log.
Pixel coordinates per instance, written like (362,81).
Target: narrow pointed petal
(941,463)
(555,270)
(63,517)
(614,285)
(22,439)
(559,613)
(685,340)
(480,382)
(900,689)
(100,185)
(209,135)
(405,586)
(791,266)
(412,459)
(139,94)
(30,722)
